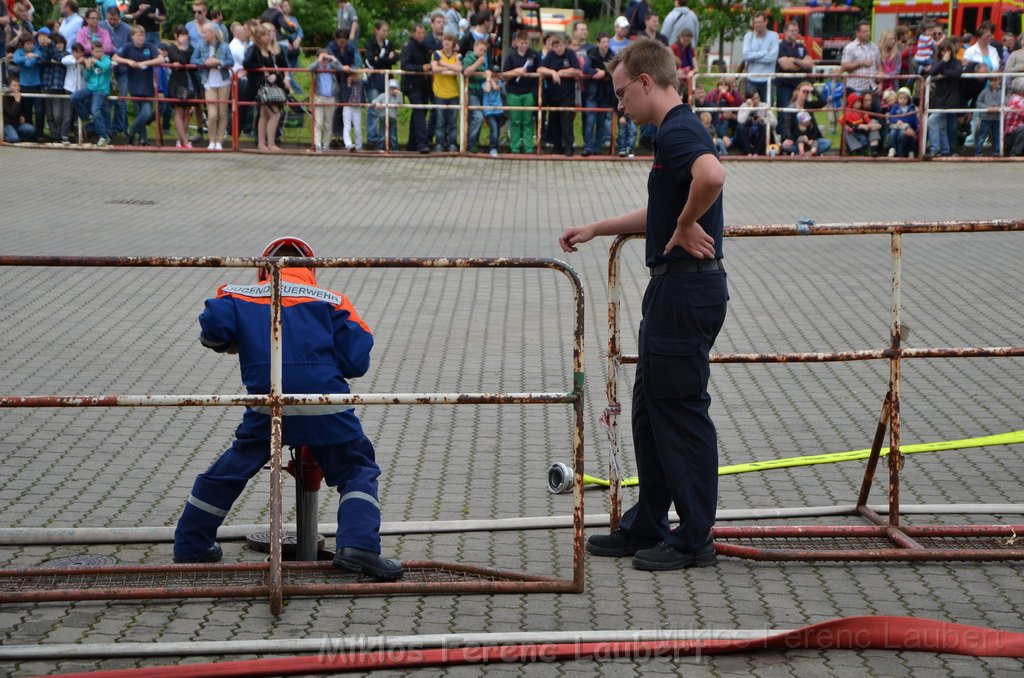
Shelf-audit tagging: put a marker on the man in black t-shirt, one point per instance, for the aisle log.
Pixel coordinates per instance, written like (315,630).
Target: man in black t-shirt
(793,58)
(521,91)
(684,307)
(149,14)
(562,66)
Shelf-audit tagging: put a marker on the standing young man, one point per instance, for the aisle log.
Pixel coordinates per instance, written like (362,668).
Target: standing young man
(684,307)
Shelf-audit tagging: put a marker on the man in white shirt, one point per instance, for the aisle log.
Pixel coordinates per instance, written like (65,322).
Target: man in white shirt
(861,58)
(70,23)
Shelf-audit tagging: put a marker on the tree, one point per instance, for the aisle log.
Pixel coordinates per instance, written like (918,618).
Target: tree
(318,17)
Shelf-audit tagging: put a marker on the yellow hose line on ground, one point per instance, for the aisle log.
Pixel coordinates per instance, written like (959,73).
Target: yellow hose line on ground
(1010,438)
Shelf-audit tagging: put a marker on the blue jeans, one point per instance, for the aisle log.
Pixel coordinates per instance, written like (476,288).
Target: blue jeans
(447,124)
(392,134)
(987,128)
(942,133)
(494,122)
(761,87)
(476,121)
(596,128)
(374,121)
(902,143)
(15,134)
(143,116)
(120,122)
(627,135)
(92,104)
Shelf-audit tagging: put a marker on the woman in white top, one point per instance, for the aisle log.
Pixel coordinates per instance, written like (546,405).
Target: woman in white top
(215,61)
(982,51)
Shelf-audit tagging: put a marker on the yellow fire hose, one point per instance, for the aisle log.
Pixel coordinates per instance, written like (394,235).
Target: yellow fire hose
(560,475)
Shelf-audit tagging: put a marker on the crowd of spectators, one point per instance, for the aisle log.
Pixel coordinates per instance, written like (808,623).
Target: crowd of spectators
(778,106)
(878,103)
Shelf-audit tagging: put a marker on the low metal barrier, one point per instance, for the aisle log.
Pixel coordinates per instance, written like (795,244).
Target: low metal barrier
(886,539)
(239,101)
(275,578)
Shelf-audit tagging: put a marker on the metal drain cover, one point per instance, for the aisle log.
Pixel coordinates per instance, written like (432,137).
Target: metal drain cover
(260,541)
(80,560)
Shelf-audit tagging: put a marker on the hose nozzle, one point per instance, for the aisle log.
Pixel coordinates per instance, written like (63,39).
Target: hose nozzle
(559,478)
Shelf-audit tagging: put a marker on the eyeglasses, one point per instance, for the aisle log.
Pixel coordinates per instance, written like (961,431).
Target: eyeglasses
(199,11)
(622,91)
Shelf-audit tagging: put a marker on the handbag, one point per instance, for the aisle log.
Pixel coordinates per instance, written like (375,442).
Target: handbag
(270,95)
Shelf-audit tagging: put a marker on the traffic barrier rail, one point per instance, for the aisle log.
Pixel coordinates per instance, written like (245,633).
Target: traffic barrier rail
(275,578)
(905,542)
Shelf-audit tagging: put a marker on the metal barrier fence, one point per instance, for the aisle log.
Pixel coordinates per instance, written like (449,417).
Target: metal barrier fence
(888,539)
(275,578)
(238,102)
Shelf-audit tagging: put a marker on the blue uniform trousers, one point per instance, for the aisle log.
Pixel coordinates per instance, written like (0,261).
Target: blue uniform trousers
(674,438)
(350,467)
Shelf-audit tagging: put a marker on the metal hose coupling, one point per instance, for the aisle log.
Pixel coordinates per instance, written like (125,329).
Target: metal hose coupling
(559,478)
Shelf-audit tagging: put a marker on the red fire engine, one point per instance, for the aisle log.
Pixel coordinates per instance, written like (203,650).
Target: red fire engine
(958,16)
(826,29)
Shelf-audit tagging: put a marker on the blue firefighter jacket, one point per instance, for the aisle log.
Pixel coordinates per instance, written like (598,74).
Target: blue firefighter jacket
(324,342)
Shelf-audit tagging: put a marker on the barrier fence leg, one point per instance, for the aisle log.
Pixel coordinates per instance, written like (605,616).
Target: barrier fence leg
(876,449)
(895,457)
(276,435)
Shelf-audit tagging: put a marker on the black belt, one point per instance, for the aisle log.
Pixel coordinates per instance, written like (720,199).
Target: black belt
(687,266)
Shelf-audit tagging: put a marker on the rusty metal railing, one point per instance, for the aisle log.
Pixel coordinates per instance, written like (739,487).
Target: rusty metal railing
(275,578)
(906,547)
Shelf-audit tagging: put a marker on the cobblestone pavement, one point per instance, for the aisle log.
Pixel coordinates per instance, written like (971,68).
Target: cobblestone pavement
(134,331)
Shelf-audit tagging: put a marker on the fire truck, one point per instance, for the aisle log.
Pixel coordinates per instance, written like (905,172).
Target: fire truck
(826,29)
(957,16)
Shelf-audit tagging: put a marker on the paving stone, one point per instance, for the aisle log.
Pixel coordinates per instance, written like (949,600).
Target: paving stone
(132,330)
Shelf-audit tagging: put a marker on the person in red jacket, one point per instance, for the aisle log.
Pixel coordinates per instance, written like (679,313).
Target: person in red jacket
(325,342)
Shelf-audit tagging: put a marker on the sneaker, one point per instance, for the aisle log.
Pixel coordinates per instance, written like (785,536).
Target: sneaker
(453,149)
(910,155)
(631,154)
(210,555)
(663,557)
(65,141)
(319,148)
(622,154)
(892,152)
(361,561)
(618,544)
(437,149)
(103,142)
(493,153)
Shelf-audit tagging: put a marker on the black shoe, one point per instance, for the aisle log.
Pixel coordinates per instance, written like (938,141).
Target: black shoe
(618,544)
(369,563)
(664,557)
(424,150)
(210,555)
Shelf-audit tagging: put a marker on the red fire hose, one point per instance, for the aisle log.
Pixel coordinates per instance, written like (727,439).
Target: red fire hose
(851,633)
